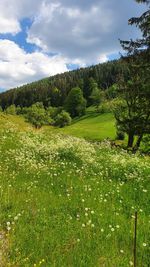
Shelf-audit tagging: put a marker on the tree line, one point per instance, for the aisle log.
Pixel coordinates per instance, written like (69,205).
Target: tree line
(53,91)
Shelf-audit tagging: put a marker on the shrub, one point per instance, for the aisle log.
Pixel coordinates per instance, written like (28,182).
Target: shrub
(37,115)
(11,110)
(104,107)
(145,146)
(120,135)
(63,119)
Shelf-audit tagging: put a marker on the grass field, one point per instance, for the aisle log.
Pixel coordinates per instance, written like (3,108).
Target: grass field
(92,126)
(67,202)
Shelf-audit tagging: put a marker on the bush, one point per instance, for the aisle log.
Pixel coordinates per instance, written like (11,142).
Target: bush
(120,135)
(62,119)
(145,146)
(11,110)
(104,107)
(36,114)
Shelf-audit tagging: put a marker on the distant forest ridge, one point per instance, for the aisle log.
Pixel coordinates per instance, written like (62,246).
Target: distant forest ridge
(54,90)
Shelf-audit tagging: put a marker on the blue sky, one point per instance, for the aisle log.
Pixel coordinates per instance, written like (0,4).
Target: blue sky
(40,38)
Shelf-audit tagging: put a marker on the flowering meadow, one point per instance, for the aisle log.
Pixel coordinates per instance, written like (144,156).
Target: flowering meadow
(66,202)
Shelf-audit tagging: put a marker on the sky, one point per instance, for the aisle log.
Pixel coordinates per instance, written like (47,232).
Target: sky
(40,38)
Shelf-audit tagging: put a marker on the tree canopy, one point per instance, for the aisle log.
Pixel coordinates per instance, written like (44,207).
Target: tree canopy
(133,112)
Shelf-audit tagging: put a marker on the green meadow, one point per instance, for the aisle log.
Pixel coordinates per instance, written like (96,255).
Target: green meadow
(92,126)
(65,201)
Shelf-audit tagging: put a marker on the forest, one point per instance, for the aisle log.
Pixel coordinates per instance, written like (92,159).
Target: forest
(54,90)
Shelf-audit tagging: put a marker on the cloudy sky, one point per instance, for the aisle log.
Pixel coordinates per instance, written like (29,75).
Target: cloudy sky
(39,38)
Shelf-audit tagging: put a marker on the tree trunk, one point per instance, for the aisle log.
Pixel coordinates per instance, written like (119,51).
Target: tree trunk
(130,140)
(138,142)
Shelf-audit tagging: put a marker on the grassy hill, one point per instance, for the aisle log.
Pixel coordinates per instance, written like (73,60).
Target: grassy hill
(92,126)
(68,202)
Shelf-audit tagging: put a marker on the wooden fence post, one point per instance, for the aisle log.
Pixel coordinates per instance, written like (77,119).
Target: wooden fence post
(135,240)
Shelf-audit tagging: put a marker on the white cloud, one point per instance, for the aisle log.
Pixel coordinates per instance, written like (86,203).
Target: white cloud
(12,11)
(78,31)
(18,67)
(83,31)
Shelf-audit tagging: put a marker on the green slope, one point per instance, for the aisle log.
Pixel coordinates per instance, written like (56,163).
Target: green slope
(67,202)
(92,126)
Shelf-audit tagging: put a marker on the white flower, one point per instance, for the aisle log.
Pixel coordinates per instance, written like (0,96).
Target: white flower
(89,222)
(102,230)
(83,225)
(112,229)
(121,251)
(131,263)
(8,223)
(144,244)
(144,190)
(92,211)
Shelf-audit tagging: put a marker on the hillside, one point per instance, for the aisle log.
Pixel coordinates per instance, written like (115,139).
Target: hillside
(92,126)
(68,202)
(53,90)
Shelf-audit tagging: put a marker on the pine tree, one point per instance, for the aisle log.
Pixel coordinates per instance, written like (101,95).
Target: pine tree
(133,115)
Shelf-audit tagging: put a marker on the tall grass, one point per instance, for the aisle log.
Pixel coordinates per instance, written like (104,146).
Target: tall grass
(67,202)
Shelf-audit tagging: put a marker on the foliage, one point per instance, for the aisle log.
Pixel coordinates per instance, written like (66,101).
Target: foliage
(105,107)
(36,115)
(112,91)
(145,146)
(97,96)
(75,102)
(62,119)
(120,135)
(54,90)
(133,116)
(11,110)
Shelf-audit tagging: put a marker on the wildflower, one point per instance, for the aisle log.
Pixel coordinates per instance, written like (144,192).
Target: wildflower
(83,225)
(144,190)
(102,230)
(144,244)
(92,211)
(121,251)
(131,263)
(112,229)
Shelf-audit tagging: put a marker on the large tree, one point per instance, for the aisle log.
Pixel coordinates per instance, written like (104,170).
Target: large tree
(75,102)
(133,114)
